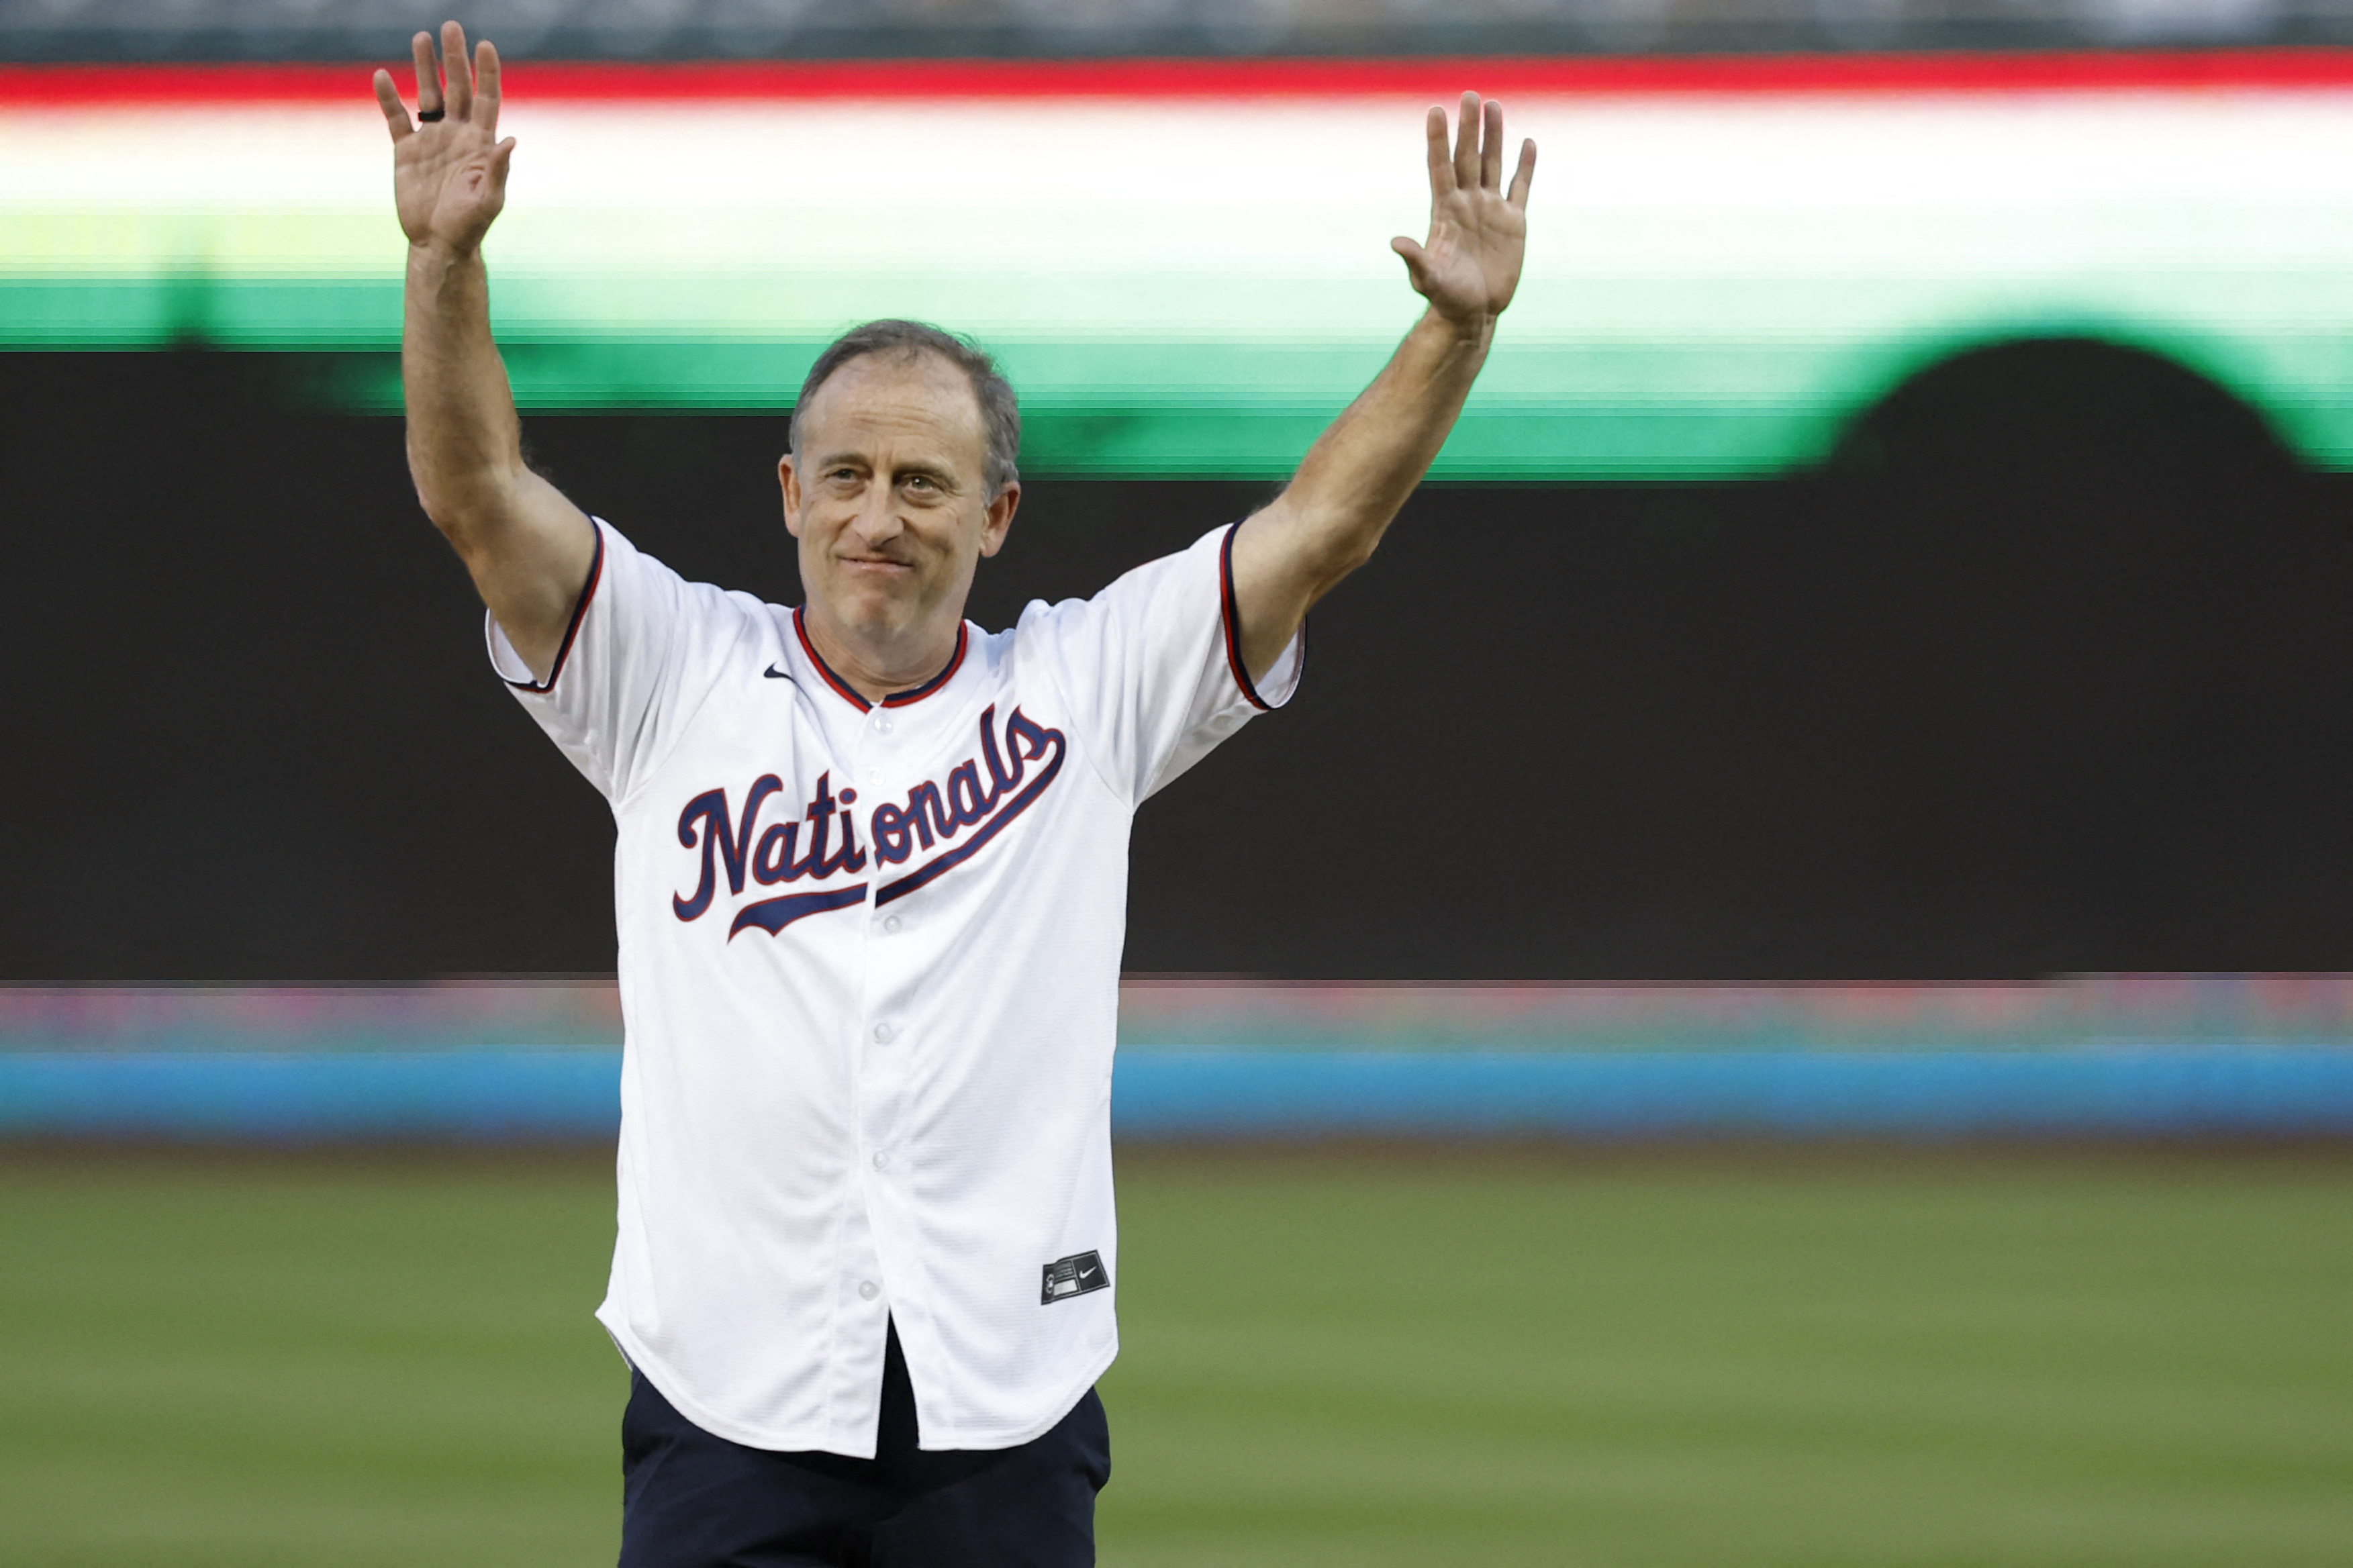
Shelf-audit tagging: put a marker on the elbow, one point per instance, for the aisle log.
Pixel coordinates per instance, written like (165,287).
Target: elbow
(1341,556)
(1313,547)
(1355,553)
(462,506)
(437,489)
(446,514)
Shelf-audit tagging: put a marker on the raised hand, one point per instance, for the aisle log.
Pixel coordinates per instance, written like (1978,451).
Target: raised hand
(449,169)
(1470,265)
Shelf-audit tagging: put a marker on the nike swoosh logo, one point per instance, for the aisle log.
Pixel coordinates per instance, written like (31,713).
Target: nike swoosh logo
(774,674)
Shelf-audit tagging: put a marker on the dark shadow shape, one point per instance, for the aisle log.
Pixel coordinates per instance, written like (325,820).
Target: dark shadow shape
(2049,669)
(2043,410)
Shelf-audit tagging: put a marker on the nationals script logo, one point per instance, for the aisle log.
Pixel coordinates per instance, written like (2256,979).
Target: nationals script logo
(966,807)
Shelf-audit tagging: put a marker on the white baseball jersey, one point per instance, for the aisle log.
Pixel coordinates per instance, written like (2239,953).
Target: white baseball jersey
(868,967)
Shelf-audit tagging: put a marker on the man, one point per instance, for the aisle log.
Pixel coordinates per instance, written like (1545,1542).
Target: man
(870,881)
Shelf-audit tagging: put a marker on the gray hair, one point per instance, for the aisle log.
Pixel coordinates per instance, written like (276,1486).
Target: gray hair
(1000,412)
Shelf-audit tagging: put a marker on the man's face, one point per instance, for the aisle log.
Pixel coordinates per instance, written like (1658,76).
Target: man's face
(889,495)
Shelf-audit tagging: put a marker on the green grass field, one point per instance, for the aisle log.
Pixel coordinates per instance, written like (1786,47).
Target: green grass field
(1358,1357)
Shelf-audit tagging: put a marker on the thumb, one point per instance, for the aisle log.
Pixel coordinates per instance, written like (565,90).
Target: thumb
(1417,260)
(501,156)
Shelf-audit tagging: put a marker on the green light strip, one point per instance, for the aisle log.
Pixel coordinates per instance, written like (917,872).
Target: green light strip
(1715,283)
(1545,410)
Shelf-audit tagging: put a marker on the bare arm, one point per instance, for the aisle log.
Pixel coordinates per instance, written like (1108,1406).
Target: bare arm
(529,549)
(1349,486)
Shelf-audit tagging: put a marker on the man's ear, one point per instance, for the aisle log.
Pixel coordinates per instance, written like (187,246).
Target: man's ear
(1000,519)
(789,478)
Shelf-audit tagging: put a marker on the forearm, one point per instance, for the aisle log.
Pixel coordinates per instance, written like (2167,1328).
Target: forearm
(527,547)
(1359,472)
(1352,482)
(465,443)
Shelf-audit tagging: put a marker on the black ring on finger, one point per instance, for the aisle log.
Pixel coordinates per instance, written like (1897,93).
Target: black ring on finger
(428,116)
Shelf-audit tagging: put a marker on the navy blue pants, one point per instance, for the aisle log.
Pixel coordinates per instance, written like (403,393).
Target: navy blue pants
(690,1499)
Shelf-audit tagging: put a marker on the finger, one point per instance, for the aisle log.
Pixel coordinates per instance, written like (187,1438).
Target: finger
(1466,144)
(1521,177)
(486,86)
(1441,160)
(428,79)
(387,98)
(460,80)
(1491,148)
(501,156)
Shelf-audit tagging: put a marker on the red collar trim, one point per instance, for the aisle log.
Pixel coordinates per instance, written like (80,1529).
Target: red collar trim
(897,699)
(917,693)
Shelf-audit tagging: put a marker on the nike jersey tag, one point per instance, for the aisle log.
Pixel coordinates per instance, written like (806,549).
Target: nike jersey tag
(773,673)
(1074,1276)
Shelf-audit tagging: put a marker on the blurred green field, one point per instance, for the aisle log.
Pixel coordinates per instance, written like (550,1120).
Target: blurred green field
(1367,1357)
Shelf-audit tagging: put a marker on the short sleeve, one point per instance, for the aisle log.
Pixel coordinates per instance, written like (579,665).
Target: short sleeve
(1152,665)
(644,647)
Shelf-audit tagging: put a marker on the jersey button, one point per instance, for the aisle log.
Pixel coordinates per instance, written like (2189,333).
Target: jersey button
(867,1290)
(881,1161)
(881,723)
(890,922)
(882,1034)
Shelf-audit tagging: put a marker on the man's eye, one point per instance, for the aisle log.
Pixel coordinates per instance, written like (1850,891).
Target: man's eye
(919,482)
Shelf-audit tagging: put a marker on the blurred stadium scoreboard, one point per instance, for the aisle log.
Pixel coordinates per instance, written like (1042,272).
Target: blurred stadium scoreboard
(1184,265)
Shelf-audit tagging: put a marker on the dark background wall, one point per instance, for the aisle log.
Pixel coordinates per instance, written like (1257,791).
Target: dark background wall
(2050,670)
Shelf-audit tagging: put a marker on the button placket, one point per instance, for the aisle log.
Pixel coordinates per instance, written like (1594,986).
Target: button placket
(878,726)
(882,1072)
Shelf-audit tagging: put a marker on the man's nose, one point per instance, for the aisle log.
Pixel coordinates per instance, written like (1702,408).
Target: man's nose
(878,515)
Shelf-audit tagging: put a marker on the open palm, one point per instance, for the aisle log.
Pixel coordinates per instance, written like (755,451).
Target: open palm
(1470,265)
(449,168)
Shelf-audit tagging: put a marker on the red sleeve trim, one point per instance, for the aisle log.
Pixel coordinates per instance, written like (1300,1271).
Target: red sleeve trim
(1234,623)
(572,631)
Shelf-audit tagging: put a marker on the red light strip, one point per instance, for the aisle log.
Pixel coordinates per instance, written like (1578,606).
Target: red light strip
(1442,79)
